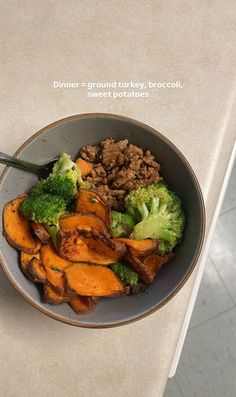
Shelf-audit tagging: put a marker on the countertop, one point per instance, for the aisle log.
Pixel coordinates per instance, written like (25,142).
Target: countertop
(101,41)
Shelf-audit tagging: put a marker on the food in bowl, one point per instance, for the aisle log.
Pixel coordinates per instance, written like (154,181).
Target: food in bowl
(98,227)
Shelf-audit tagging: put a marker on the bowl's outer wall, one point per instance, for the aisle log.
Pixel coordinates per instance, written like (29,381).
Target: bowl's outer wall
(69,137)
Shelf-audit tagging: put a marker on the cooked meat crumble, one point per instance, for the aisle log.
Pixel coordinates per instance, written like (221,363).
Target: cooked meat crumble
(118,168)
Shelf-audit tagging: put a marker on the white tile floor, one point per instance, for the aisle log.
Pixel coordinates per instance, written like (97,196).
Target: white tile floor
(207,366)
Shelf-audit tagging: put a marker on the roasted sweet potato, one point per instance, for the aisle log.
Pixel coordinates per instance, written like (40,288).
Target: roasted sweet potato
(17,228)
(36,271)
(70,221)
(54,266)
(144,272)
(81,245)
(55,279)
(25,260)
(147,267)
(40,232)
(74,249)
(139,247)
(85,166)
(98,242)
(90,201)
(92,280)
(52,296)
(83,304)
(154,262)
(51,259)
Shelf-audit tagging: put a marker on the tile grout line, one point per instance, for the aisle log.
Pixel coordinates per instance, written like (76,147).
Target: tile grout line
(212,318)
(227,211)
(223,282)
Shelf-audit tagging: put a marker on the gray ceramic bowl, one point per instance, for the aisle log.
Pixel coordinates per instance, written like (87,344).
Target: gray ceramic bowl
(68,135)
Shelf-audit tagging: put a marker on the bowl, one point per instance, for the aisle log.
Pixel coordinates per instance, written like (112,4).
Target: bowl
(69,135)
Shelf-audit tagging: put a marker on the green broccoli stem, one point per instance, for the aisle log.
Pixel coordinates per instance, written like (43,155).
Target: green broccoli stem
(155,227)
(155,224)
(143,211)
(52,230)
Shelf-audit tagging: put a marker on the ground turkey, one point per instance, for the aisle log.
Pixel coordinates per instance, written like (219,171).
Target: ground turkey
(118,168)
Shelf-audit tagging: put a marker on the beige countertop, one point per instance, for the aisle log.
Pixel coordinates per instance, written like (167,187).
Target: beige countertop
(97,41)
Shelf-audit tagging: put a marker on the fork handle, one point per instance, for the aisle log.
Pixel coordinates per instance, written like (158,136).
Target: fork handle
(17,163)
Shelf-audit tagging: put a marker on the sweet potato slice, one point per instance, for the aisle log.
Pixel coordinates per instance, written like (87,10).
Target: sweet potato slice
(139,247)
(25,260)
(83,304)
(40,232)
(84,165)
(90,201)
(70,221)
(114,250)
(54,267)
(73,248)
(144,272)
(52,296)
(155,262)
(148,267)
(51,259)
(17,228)
(92,280)
(83,246)
(55,279)
(36,271)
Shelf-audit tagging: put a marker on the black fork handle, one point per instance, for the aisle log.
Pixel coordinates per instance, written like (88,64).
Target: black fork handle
(21,164)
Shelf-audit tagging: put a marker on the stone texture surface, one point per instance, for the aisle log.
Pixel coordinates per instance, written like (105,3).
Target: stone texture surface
(104,41)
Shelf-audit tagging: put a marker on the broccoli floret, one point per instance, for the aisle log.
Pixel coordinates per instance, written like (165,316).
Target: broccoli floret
(122,224)
(163,222)
(144,195)
(125,273)
(43,208)
(60,185)
(164,247)
(49,198)
(140,204)
(39,188)
(65,166)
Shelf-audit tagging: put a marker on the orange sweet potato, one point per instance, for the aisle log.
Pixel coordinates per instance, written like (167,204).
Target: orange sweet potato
(25,260)
(144,272)
(40,232)
(98,242)
(83,304)
(74,249)
(92,280)
(17,227)
(52,296)
(81,245)
(90,201)
(51,259)
(36,271)
(70,221)
(155,262)
(85,166)
(55,279)
(54,267)
(139,247)
(147,267)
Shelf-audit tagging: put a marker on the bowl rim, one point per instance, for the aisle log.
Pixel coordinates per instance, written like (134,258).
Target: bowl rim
(193,263)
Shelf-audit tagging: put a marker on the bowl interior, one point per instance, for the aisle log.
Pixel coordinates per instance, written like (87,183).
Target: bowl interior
(69,135)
